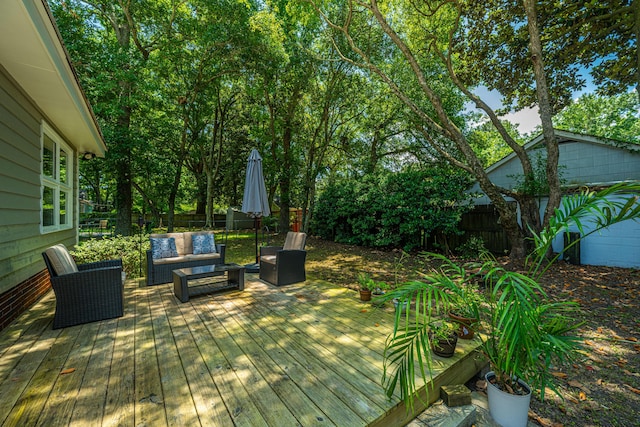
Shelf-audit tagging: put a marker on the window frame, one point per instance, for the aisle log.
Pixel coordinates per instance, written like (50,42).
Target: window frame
(62,190)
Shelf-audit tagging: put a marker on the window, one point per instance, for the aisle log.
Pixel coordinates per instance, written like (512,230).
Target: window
(57,182)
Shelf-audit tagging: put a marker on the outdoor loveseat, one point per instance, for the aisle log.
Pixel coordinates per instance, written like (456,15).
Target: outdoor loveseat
(172,251)
(284,265)
(84,292)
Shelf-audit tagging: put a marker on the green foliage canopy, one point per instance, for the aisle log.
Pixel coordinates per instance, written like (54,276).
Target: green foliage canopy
(392,209)
(616,117)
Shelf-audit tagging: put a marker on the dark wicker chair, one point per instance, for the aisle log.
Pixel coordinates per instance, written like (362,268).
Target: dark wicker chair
(284,265)
(86,292)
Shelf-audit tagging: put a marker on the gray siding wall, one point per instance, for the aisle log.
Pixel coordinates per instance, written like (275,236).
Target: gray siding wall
(21,243)
(581,163)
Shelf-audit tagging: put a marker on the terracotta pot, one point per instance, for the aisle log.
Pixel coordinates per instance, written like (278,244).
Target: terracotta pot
(444,347)
(465,330)
(365,295)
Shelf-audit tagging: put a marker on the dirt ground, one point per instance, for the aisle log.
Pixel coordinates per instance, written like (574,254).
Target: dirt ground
(601,389)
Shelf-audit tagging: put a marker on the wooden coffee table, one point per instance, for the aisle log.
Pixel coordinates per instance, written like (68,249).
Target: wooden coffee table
(231,276)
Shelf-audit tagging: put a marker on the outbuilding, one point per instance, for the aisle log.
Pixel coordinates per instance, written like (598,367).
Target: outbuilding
(585,162)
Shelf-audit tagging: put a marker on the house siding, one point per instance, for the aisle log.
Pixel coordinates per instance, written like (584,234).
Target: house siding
(585,161)
(21,243)
(581,163)
(616,246)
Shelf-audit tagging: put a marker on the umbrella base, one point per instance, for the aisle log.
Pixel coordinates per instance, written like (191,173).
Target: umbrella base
(252,268)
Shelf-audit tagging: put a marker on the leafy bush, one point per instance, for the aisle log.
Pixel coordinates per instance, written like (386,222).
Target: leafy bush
(472,248)
(127,248)
(392,209)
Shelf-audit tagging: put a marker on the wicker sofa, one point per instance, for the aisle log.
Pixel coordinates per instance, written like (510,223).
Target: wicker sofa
(159,270)
(84,292)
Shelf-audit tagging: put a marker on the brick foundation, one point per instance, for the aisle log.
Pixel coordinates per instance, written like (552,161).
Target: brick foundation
(18,299)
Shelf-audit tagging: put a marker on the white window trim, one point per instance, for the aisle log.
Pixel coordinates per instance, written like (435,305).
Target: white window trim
(55,184)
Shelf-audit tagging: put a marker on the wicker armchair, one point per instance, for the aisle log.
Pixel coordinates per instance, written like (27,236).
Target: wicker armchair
(283,265)
(86,292)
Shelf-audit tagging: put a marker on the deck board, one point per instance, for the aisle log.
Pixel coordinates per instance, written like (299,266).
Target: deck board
(149,407)
(308,354)
(119,408)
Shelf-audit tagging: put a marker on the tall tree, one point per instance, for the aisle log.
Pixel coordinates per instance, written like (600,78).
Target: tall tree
(580,38)
(127,33)
(436,41)
(615,117)
(285,87)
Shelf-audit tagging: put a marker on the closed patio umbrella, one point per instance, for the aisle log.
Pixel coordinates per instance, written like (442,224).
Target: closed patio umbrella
(255,202)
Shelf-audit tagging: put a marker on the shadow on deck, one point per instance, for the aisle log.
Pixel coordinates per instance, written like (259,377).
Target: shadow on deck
(305,354)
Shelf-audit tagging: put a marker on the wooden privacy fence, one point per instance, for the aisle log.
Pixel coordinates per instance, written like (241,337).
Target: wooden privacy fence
(484,222)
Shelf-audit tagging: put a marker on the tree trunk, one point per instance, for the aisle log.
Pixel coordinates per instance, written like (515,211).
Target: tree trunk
(155,213)
(209,222)
(123,196)
(544,106)
(213,158)
(285,179)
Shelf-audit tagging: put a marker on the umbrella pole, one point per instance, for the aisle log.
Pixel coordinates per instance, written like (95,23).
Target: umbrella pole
(254,268)
(255,224)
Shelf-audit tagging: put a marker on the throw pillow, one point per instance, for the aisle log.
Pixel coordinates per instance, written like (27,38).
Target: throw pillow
(203,244)
(163,247)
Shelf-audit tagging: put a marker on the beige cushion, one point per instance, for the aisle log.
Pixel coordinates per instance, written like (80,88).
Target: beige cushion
(187,257)
(61,260)
(169,260)
(271,259)
(191,257)
(295,241)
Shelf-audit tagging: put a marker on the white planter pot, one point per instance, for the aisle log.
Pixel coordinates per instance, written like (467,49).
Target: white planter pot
(508,410)
(396,304)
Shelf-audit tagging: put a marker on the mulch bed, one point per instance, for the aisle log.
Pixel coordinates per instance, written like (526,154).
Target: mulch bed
(603,388)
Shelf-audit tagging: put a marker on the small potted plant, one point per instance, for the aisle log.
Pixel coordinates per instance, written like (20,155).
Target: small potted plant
(367,286)
(443,338)
(377,293)
(465,309)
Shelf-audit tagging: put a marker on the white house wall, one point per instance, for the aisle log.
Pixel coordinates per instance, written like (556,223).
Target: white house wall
(617,246)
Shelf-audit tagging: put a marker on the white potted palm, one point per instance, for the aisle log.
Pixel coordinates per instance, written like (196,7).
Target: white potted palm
(523,332)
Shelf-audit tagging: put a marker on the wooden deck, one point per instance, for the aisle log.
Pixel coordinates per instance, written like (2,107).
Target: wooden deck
(307,354)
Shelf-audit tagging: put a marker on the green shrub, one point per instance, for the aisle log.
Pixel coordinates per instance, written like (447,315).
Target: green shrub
(392,209)
(473,248)
(106,248)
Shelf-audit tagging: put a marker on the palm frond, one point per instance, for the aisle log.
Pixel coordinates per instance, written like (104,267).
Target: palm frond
(601,210)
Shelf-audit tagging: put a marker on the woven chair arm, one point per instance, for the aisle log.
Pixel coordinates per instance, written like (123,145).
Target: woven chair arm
(100,264)
(291,257)
(269,250)
(222,249)
(95,277)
